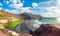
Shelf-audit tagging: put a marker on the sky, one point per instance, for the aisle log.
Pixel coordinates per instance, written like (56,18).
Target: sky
(45,8)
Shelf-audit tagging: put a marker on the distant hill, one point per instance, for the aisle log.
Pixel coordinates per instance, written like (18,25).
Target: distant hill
(28,16)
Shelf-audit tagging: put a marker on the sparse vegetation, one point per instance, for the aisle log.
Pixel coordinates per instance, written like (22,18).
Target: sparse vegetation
(13,24)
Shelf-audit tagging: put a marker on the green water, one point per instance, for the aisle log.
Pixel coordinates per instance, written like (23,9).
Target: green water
(13,24)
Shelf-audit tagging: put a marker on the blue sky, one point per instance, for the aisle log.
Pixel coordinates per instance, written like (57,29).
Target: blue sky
(26,3)
(46,8)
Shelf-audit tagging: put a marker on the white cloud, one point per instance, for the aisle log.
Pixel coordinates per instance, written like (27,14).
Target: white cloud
(40,8)
(6,2)
(0,8)
(15,12)
(52,11)
(24,9)
(58,19)
(12,11)
(48,14)
(44,5)
(1,4)
(16,5)
(34,4)
(47,9)
(55,10)
(23,1)
(48,6)
(51,8)
(15,1)
(7,10)
(46,2)
(20,10)
(58,3)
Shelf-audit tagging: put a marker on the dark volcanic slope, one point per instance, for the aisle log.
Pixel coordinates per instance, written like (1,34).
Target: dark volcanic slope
(30,16)
(47,30)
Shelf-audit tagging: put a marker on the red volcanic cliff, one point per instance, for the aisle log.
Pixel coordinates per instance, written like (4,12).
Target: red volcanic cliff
(47,30)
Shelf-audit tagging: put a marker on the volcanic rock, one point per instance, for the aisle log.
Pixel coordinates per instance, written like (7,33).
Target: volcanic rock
(47,30)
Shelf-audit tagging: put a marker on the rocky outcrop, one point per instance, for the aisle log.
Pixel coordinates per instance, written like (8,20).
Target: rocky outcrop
(47,30)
